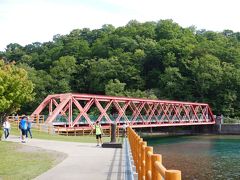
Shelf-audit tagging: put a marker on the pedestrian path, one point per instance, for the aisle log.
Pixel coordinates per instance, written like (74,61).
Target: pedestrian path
(84,161)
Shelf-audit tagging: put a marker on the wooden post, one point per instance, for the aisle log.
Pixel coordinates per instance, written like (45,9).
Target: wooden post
(141,159)
(173,175)
(143,165)
(155,174)
(148,150)
(139,153)
(110,131)
(37,119)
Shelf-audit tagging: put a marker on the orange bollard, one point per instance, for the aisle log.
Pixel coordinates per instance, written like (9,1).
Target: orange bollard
(139,154)
(143,160)
(155,174)
(148,168)
(173,175)
(135,150)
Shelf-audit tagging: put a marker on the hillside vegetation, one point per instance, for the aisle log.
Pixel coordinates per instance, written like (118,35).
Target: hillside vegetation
(153,59)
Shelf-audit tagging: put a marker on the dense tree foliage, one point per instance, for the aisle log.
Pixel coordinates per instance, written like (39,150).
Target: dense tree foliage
(15,89)
(152,59)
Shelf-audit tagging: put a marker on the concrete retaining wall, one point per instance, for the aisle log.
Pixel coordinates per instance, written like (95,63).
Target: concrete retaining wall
(228,128)
(188,130)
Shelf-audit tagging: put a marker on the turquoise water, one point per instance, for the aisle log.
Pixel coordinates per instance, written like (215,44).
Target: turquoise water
(200,157)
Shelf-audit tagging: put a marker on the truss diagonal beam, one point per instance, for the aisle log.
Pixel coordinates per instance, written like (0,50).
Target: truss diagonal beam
(58,109)
(83,111)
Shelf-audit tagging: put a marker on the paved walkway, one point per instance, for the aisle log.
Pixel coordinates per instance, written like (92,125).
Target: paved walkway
(85,161)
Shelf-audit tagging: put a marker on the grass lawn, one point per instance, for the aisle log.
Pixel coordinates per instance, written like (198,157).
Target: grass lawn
(43,135)
(24,162)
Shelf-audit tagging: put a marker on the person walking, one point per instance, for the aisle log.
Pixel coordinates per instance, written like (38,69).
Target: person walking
(29,126)
(6,128)
(23,128)
(98,129)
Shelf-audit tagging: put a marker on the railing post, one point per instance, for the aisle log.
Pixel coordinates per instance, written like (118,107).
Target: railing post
(155,174)
(143,159)
(173,175)
(110,130)
(139,154)
(135,150)
(148,168)
(37,119)
(148,165)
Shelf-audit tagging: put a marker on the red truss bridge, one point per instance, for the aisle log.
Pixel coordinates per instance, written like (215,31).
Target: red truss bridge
(83,110)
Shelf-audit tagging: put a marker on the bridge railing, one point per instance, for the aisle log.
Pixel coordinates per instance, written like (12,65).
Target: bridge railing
(149,165)
(39,119)
(37,123)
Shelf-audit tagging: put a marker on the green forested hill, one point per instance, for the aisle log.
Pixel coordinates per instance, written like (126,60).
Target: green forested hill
(152,59)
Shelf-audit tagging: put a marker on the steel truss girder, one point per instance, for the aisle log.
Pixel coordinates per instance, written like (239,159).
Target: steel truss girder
(135,112)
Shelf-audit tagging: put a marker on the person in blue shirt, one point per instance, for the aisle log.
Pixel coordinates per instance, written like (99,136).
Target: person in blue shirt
(29,126)
(23,127)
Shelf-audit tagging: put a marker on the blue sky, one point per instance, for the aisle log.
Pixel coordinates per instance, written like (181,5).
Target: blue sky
(27,21)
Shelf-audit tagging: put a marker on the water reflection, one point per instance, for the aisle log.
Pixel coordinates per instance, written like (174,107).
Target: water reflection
(200,157)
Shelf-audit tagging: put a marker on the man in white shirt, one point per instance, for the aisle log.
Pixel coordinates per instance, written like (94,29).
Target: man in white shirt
(6,127)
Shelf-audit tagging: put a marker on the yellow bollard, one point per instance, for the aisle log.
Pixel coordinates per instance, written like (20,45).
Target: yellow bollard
(173,175)
(148,167)
(155,174)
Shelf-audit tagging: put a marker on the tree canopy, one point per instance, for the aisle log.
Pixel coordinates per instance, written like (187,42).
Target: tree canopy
(15,89)
(152,59)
